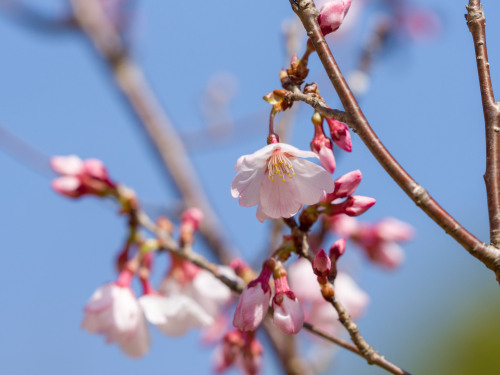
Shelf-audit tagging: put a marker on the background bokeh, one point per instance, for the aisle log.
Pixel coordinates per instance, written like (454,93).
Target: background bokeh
(437,314)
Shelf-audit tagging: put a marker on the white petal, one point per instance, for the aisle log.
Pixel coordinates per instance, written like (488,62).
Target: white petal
(295,151)
(256,160)
(279,199)
(67,165)
(137,344)
(154,307)
(66,184)
(311,181)
(246,185)
(183,313)
(210,292)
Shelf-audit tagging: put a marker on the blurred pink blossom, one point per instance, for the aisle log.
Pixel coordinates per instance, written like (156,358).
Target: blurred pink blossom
(114,312)
(378,240)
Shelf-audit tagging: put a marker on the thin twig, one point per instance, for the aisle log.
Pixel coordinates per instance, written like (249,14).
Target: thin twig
(319,105)
(476,23)
(144,104)
(489,255)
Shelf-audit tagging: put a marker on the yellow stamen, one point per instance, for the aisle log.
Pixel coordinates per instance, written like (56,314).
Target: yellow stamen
(279,164)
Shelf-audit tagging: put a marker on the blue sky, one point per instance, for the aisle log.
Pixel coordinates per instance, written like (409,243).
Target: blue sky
(423,102)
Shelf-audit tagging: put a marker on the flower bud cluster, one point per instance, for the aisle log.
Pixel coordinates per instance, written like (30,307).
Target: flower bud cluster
(79,177)
(353,205)
(255,299)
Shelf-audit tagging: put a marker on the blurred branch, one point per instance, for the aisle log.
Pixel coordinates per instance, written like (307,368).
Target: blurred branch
(143,103)
(364,349)
(489,255)
(476,23)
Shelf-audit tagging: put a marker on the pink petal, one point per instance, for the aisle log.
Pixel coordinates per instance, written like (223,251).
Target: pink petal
(67,165)
(138,343)
(288,316)
(246,185)
(347,184)
(357,205)
(389,255)
(252,308)
(391,229)
(279,199)
(327,159)
(311,181)
(95,169)
(67,185)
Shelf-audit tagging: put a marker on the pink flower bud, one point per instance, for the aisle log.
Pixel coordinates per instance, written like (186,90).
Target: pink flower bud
(337,249)
(94,168)
(388,254)
(80,177)
(252,356)
(331,14)
(347,184)
(192,216)
(356,205)
(326,156)
(288,315)
(344,225)
(228,353)
(322,264)
(391,229)
(253,303)
(321,145)
(340,134)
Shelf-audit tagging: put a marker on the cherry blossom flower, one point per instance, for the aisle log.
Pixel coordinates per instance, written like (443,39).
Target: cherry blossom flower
(254,302)
(114,312)
(331,14)
(80,177)
(277,180)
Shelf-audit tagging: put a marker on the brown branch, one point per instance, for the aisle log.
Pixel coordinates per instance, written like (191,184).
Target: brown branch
(318,104)
(476,23)
(489,255)
(143,103)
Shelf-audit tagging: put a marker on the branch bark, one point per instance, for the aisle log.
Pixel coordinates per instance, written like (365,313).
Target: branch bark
(476,23)
(487,254)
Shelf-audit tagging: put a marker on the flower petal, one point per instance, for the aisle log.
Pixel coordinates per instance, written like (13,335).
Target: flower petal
(246,185)
(67,165)
(279,199)
(311,181)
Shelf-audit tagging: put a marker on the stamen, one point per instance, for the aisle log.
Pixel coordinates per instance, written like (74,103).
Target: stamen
(279,164)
